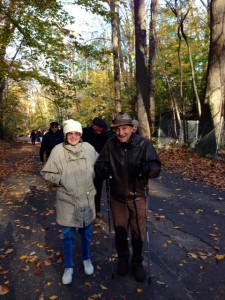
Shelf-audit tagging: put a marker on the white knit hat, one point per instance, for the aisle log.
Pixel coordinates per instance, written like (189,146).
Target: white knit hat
(71,125)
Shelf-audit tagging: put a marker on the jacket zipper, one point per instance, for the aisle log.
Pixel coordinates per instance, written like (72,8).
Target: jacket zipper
(125,151)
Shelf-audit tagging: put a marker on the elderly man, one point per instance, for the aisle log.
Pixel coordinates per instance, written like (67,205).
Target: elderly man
(128,160)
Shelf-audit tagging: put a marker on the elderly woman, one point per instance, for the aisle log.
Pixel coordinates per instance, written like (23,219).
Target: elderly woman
(70,168)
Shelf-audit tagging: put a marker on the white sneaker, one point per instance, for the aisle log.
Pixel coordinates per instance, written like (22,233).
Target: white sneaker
(88,267)
(67,276)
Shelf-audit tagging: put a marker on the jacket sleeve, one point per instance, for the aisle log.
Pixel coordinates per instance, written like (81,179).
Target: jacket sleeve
(152,165)
(51,171)
(102,163)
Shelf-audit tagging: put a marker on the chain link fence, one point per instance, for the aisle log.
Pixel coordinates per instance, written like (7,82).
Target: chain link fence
(168,134)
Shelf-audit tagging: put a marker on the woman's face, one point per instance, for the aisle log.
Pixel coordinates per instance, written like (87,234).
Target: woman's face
(73,137)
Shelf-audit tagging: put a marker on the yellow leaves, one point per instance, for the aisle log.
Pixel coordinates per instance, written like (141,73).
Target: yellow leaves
(199,254)
(29,258)
(3,289)
(53,297)
(220,256)
(215,237)
(88,283)
(47,263)
(139,290)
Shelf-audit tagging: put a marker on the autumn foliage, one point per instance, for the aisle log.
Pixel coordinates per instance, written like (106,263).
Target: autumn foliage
(193,166)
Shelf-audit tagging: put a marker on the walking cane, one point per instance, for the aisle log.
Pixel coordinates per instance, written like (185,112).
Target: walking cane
(147,230)
(109,221)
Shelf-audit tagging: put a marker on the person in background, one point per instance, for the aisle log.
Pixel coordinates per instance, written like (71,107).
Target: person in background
(33,137)
(135,126)
(70,167)
(127,161)
(50,139)
(96,135)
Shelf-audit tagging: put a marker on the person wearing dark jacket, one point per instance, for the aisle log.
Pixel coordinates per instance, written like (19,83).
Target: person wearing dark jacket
(127,161)
(33,137)
(96,135)
(50,139)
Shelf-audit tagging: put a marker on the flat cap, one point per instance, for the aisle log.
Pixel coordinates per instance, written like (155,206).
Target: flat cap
(121,119)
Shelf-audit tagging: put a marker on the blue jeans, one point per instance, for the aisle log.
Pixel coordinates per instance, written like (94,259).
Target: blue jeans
(69,234)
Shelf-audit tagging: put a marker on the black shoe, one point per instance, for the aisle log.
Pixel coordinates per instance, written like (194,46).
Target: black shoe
(139,272)
(122,268)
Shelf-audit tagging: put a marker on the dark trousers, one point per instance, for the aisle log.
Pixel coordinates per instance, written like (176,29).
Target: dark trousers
(98,182)
(130,215)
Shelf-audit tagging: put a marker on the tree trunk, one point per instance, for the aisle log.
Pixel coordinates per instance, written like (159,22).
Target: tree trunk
(115,44)
(141,69)
(213,106)
(152,61)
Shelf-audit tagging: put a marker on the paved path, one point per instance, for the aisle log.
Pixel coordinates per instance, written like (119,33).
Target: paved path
(186,231)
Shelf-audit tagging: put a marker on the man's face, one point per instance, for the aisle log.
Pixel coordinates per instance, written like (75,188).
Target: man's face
(123,133)
(97,129)
(54,128)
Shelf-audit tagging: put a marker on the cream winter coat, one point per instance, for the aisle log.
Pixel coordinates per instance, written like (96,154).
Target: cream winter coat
(71,169)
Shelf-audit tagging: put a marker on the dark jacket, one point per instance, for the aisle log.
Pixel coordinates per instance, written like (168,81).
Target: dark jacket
(126,161)
(96,140)
(49,141)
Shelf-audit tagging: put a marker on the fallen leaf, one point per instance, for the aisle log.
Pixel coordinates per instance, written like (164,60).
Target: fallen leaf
(47,263)
(192,255)
(3,289)
(9,251)
(160,217)
(94,296)
(4,272)
(96,232)
(165,245)
(38,271)
(103,287)
(59,260)
(219,256)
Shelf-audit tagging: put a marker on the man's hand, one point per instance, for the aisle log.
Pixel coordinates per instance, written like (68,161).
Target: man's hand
(106,171)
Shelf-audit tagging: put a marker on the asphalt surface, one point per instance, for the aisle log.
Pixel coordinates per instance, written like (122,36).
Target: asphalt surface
(186,248)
